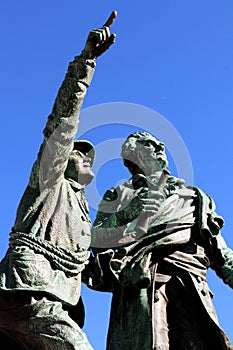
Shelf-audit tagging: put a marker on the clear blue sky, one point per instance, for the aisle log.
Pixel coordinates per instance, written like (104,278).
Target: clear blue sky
(170,57)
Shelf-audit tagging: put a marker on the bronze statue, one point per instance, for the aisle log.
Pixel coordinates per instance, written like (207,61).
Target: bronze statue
(40,275)
(153,240)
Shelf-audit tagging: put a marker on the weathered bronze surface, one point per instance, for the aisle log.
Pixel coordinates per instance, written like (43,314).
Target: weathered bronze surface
(40,275)
(153,240)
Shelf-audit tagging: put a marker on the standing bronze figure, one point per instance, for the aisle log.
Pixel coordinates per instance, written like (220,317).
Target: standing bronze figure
(40,275)
(153,240)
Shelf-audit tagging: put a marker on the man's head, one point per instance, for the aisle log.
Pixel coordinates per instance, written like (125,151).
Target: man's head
(143,153)
(79,167)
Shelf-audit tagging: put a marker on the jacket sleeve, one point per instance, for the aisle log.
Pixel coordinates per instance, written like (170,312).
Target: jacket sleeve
(224,270)
(62,124)
(211,225)
(105,235)
(107,232)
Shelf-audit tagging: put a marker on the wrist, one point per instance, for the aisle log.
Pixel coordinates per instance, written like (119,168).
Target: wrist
(85,69)
(87,55)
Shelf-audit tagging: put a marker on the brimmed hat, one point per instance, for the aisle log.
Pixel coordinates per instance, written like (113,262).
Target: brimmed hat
(86,147)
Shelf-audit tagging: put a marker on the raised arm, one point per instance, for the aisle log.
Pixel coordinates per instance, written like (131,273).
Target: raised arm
(62,123)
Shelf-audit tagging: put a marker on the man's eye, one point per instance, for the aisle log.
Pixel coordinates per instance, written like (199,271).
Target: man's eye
(157,148)
(79,154)
(150,144)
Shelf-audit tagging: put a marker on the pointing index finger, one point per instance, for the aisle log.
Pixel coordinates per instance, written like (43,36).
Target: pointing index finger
(111,19)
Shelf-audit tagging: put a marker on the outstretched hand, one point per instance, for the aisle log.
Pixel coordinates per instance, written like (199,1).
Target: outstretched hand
(99,40)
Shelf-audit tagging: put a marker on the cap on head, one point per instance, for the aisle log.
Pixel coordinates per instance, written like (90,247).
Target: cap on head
(86,147)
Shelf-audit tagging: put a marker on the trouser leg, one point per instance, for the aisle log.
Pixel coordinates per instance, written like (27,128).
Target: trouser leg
(43,325)
(186,331)
(159,320)
(7,343)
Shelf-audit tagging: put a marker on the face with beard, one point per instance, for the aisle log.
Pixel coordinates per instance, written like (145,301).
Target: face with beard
(79,168)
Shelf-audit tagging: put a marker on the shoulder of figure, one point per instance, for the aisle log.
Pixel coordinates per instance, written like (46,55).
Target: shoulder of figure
(199,192)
